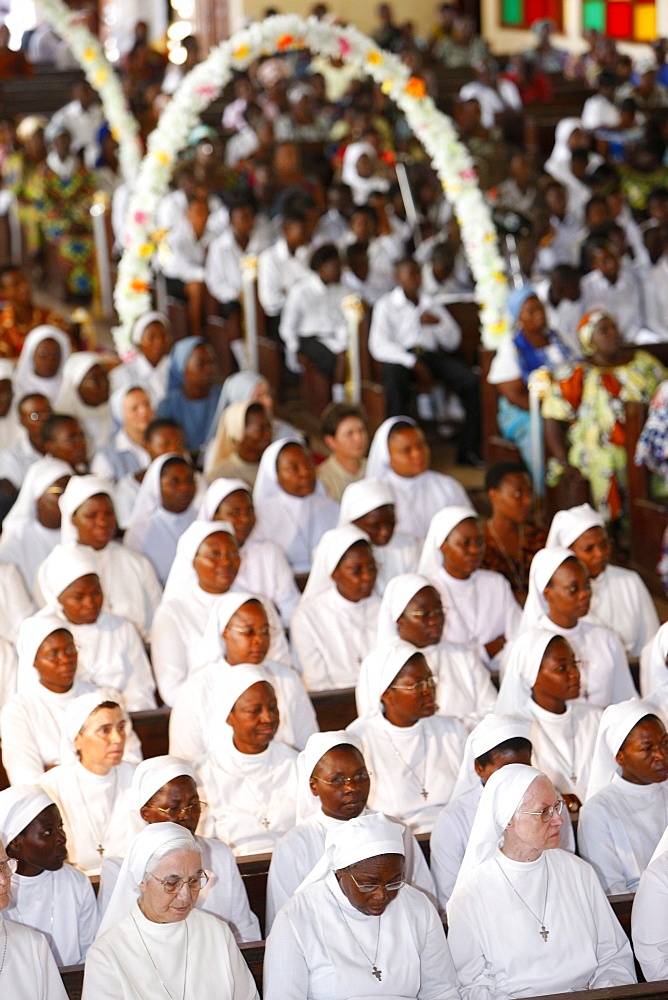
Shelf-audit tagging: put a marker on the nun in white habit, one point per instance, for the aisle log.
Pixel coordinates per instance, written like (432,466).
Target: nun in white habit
(111,653)
(224,894)
(331,940)
(264,568)
(480,609)
(411,609)
(57,900)
(32,720)
(334,625)
(654,670)
(29,970)
(151,374)
(558,601)
(92,784)
(297,523)
(324,804)
(181,619)
(165,945)
(31,530)
(26,378)
(153,530)
(370,505)
(95,420)
(129,582)
(11,430)
(419,497)
(413,754)
(648,915)
(541,683)
(125,454)
(237,631)
(619,598)
(249,779)
(624,817)
(521,906)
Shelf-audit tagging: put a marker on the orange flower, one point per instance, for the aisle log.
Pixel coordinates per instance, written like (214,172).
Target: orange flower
(416,88)
(289,42)
(138,286)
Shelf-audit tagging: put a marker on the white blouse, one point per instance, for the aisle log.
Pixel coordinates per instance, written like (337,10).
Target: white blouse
(464,687)
(30,971)
(563,745)
(418,498)
(648,923)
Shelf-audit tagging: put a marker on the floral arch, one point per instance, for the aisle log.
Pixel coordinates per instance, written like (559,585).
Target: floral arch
(275,35)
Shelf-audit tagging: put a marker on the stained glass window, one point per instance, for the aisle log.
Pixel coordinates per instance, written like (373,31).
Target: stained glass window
(522,13)
(633,20)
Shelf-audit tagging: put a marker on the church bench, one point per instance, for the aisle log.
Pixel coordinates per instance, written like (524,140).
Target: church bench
(647,517)
(43,93)
(254,870)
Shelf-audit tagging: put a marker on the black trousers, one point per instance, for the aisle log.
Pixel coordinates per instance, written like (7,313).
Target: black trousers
(451,372)
(321,356)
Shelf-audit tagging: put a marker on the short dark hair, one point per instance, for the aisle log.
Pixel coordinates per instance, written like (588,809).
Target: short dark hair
(160,424)
(172,461)
(399,426)
(334,415)
(517,744)
(53,422)
(31,395)
(498,472)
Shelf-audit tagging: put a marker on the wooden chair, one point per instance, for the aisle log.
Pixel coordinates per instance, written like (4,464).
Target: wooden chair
(254,871)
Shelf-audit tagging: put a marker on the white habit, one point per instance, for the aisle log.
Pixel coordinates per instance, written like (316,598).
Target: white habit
(30,972)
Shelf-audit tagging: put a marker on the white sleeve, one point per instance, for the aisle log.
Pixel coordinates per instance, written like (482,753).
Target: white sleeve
(438,978)
(383,345)
(623,687)
(20,753)
(650,941)
(596,844)
(168,653)
(307,640)
(186,736)
(477,982)
(286,975)
(87,915)
(270,286)
(291,318)
(139,691)
(15,601)
(222,272)
(505,366)
(614,958)
(448,332)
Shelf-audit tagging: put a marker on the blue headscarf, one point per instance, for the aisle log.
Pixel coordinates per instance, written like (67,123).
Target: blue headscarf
(194,415)
(178,359)
(517,298)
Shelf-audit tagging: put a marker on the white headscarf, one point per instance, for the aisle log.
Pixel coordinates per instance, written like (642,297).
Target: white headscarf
(559,161)
(377,672)
(216,493)
(19,805)
(361,187)
(616,723)
(237,388)
(61,568)
(237,681)
(229,432)
(32,633)
(25,378)
(442,523)
(544,565)
(568,525)
(398,594)
(501,796)
(154,837)
(362,497)
(521,671)
(40,476)
(378,461)
(150,776)
(182,576)
(95,419)
(78,490)
(266,483)
(655,675)
(367,836)
(211,647)
(117,403)
(317,745)
(149,497)
(327,555)
(76,715)
(144,321)
(490,733)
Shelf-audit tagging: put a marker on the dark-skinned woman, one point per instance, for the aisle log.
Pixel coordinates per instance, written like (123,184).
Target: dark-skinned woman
(558,600)
(541,682)
(333,789)
(355,929)
(625,815)
(413,754)
(164,789)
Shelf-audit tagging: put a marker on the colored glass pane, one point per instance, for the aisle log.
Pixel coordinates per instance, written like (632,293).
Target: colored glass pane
(620,20)
(512,12)
(593,15)
(644,22)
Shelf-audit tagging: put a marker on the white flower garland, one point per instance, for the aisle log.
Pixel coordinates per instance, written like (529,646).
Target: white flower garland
(285,33)
(101,75)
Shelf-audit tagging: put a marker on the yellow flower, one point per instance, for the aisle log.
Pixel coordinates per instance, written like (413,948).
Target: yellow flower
(162,157)
(374,57)
(241,52)
(386,85)
(146,250)
(89,54)
(100,77)
(499,276)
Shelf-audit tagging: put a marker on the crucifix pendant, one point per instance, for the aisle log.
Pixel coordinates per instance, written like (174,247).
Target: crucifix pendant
(543,933)
(265,823)
(574,778)
(377,973)
(100,849)
(425,794)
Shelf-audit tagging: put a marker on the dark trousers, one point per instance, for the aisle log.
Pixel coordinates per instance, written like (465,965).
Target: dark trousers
(321,356)
(451,372)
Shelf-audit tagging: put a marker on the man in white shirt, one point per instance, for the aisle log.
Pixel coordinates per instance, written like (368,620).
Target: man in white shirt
(613,287)
(414,337)
(281,265)
(560,294)
(82,117)
(223,263)
(600,111)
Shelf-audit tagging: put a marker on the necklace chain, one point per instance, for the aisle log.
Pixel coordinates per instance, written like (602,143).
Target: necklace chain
(375,971)
(101,837)
(4,947)
(185,964)
(423,784)
(264,807)
(543,930)
(569,766)
(516,567)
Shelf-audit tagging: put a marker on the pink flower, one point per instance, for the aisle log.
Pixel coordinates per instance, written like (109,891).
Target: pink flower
(345,47)
(141,218)
(206,90)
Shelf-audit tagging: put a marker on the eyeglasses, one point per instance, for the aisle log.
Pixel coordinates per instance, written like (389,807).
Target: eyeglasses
(251,633)
(428,684)
(341,780)
(175,811)
(547,813)
(173,884)
(386,886)
(57,490)
(8,865)
(430,615)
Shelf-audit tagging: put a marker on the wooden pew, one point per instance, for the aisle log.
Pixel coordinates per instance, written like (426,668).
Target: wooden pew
(43,93)
(647,517)
(254,871)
